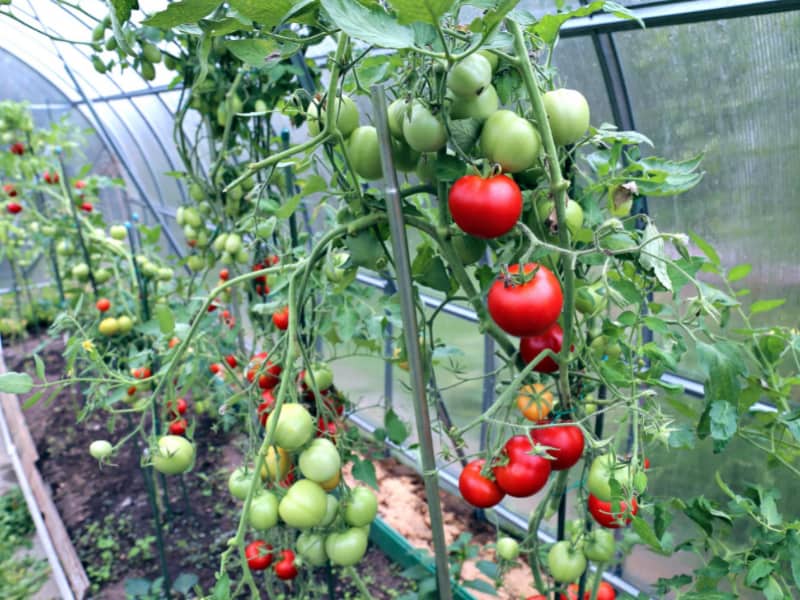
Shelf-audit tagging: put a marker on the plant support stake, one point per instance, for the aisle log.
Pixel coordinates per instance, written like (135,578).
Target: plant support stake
(411,333)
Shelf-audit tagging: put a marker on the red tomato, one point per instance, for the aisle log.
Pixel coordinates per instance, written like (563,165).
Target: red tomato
(281,318)
(485,208)
(526,308)
(549,339)
(285,569)
(10,190)
(103,304)
(259,555)
(14,207)
(215,368)
(524,474)
(326,428)
(17,148)
(273,259)
(601,512)
(80,184)
(566,441)
(179,409)
(131,390)
(266,406)
(268,375)
(87,207)
(178,427)
(537,597)
(476,489)
(173,342)
(231,360)
(604,592)
(51,177)
(224,274)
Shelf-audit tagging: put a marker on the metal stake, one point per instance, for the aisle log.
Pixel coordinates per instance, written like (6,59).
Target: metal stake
(411,333)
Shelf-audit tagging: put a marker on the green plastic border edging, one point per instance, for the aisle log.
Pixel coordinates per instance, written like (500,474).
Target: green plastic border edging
(396,547)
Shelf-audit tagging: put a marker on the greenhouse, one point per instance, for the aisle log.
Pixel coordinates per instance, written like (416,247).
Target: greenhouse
(399,299)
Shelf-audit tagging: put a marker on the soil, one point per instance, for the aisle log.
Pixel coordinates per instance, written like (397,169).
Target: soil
(108,516)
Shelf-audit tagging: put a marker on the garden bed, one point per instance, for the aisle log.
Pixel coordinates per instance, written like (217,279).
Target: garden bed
(108,518)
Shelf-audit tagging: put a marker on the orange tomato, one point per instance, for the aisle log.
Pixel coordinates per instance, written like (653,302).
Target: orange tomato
(535,402)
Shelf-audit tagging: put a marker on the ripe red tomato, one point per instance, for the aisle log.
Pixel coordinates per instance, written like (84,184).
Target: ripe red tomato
(566,441)
(141,372)
(485,208)
(273,259)
(526,308)
(476,489)
(87,207)
(268,401)
(326,428)
(268,372)
(285,569)
(604,592)
(180,407)
(602,513)
(215,368)
(51,177)
(10,190)
(174,341)
(80,184)
(103,304)
(259,555)
(14,207)
(524,474)
(231,360)
(17,148)
(132,390)
(530,347)
(224,274)
(281,318)
(178,427)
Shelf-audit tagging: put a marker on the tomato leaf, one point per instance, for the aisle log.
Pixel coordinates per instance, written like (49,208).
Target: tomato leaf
(480,585)
(647,535)
(652,255)
(420,11)
(760,306)
(739,272)
(429,270)
(372,25)
(32,400)
(253,52)
(395,428)
(39,364)
(464,133)
(15,383)
(364,470)
(180,13)
(759,569)
(220,27)
(222,589)
(705,248)
(123,8)
(166,322)
(269,14)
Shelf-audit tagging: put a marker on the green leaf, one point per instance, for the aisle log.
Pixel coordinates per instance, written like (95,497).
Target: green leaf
(488,568)
(722,364)
(395,428)
(269,14)
(123,8)
(137,586)
(723,420)
(549,25)
(760,306)
(480,585)
(180,13)
(429,270)
(32,400)
(464,133)
(372,25)
(15,383)
(739,272)
(251,51)
(286,210)
(222,589)
(652,255)
(759,570)
(647,535)
(220,27)
(184,583)
(773,591)
(39,364)
(794,556)
(420,11)
(166,322)
(705,248)
(628,292)
(364,470)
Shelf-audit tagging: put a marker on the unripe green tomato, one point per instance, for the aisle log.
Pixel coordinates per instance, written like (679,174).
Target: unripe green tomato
(111,44)
(226,259)
(248,183)
(108,326)
(170,63)
(239,482)
(261,106)
(493,59)
(150,269)
(507,548)
(81,272)
(263,513)
(304,504)
(599,545)
(100,449)
(423,131)
(196,262)
(360,507)
(331,510)
(98,33)
(242,257)
(125,324)
(294,428)
(591,299)
(102,275)
(510,141)
(196,192)
(469,248)
(364,152)
(311,548)
(426,168)
(479,107)
(236,104)
(99,65)
(189,232)
(573,213)
(395,114)
(320,462)
(173,455)
(48,230)
(566,563)
(222,114)
(204,208)
(345,549)
(233,243)
(346,113)
(568,114)
(470,76)
(202,238)
(148,71)
(118,232)
(192,217)
(151,53)
(164,274)
(180,216)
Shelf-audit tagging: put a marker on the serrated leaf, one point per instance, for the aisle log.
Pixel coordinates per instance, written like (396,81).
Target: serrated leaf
(760,306)
(181,13)
(759,570)
(739,272)
(488,568)
(372,25)
(548,26)
(364,471)
(420,11)
(628,292)
(253,52)
(123,8)
(723,420)
(269,14)
(705,248)
(646,534)
(652,255)
(610,134)
(15,383)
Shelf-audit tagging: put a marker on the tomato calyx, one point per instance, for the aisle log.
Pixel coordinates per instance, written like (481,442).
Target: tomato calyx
(521,276)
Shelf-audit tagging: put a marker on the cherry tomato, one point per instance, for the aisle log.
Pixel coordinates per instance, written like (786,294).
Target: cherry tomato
(14,208)
(476,489)
(507,548)
(549,339)
(268,402)
(285,568)
(80,184)
(528,308)
(100,449)
(259,555)
(524,474)
(51,178)
(231,360)
(602,512)
(224,274)
(485,208)
(103,304)
(566,442)
(17,148)
(179,409)
(510,141)
(281,318)
(535,402)
(86,207)
(178,427)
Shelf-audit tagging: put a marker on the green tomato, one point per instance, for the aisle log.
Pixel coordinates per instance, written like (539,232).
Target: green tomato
(304,505)
(510,141)
(470,76)
(192,217)
(239,482)
(173,454)
(604,348)
(100,449)
(81,272)
(395,113)
(345,549)
(151,53)
(566,563)
(102,275)
(568,114)
(360,507)
(599,545)
(118,232)
(364,152)
(311,547)
(233,243)
(261,106)
(479,107)
(405,158)
(319,373)
(263,513)
(164,274)
(331,510)
(335,269)
(573,213)
(320,461)
(493,59)
(124,324)
(148,71)
(196,262)
(196,192)
(591,299)
(346,116)
(603,469)
(507,548)
(294,427)
(426,168)
(423,131)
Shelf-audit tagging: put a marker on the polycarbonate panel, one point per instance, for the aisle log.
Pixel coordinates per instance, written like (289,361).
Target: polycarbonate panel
(579,68)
